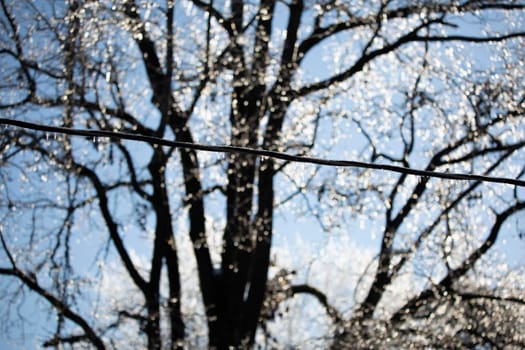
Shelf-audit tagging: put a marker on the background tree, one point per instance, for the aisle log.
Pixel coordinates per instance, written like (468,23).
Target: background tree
(435,85)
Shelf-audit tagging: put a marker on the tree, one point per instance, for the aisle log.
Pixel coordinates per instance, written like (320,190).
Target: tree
(435,85)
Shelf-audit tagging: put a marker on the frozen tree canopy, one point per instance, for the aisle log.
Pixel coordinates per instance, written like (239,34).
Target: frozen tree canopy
(109,243)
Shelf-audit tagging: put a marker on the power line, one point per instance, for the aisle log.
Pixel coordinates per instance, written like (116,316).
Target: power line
(260,152)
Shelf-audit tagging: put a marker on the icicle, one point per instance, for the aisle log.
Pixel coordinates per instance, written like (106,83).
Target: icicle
(99,144)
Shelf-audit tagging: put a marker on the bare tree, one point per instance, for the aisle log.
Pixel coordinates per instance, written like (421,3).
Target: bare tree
(435,85)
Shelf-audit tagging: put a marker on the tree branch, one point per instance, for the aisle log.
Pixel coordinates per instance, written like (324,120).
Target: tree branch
(57,341)
(470,39)
(445,286)
(321,298)
(31,282)
(112,226)
(472,296)
(223,22)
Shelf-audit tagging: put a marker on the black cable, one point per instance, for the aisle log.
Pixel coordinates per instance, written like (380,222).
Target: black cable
(260,152)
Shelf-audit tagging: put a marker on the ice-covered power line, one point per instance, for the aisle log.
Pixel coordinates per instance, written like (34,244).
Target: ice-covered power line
(260,152)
